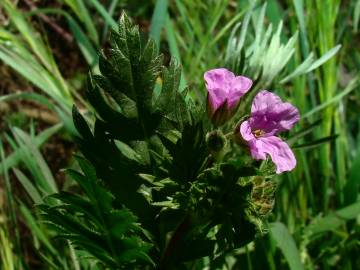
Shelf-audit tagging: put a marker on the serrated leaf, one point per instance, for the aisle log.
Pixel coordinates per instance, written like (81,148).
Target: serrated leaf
(81,125)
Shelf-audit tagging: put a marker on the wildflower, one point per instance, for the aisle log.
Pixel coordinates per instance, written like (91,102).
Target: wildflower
(269,116)
(224,93)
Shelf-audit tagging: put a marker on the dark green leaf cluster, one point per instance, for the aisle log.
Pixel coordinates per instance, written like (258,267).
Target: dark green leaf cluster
(172,201)
(90,222)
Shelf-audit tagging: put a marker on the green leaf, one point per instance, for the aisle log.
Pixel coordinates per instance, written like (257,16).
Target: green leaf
(356,16)
(30,96)
(158,20)
(301,133)
(174,48)
(337,98)
(316,143)
(79,8)
(48,182)
(102,11)
(334,220)
(81,125)
(14,158)
(29,34)
(287,245)
(170,85)
(87,49)
(351,189)
(46,66)
(83,42)
(28,186)
(36,229)
(121,222)
(324,58)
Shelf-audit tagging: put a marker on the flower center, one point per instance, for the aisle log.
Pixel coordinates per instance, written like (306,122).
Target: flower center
(258,133)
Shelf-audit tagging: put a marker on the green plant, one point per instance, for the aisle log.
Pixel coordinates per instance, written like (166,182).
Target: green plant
(286,45)
(31,57)
(299,204)
(156,192)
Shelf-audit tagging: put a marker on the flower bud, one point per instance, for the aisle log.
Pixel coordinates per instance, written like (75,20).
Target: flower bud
(215,141)
(224,93)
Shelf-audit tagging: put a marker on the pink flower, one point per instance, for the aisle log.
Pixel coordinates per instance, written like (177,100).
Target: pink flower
(269,116)
(224,93)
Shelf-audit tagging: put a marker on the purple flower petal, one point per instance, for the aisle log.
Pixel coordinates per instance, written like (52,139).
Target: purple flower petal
(270,114)
(223,85)
(240,85)
(218,82)
(278,150)
(256,151)
(246,132)
(218,78)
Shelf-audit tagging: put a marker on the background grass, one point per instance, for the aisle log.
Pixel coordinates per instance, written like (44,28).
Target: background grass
(305,50)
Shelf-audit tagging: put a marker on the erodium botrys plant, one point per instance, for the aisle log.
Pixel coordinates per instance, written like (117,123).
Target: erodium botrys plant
(162,186)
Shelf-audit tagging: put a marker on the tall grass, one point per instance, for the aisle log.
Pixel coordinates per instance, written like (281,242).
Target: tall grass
(24,49)
(318,186)
(37,182)
(29,55)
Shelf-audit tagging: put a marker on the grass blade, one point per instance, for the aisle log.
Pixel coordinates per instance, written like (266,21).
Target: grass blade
(356,15)
(14,158)
(315,143)
(286,243)
(103,12)
(351,189)
(36,230)
(11,206)
(49,184)
(174,49)
(30,96)
(28,186)
(350,87)
(333,220)
(158,20)
(7,258)
(79,8)
(329,54)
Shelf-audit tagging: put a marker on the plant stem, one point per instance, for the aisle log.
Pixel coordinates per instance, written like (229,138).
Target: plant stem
(180,231)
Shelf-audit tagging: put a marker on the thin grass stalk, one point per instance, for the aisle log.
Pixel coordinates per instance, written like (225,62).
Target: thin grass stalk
(341,157)
(302,87)
(7,258)
(326,14)
(11,210)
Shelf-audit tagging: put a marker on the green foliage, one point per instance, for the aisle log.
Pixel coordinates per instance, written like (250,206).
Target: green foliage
(266,56)
(36,179)
(287,245)
(29,55)
(160,177)
(154,194)
(91,223)
(8,259)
